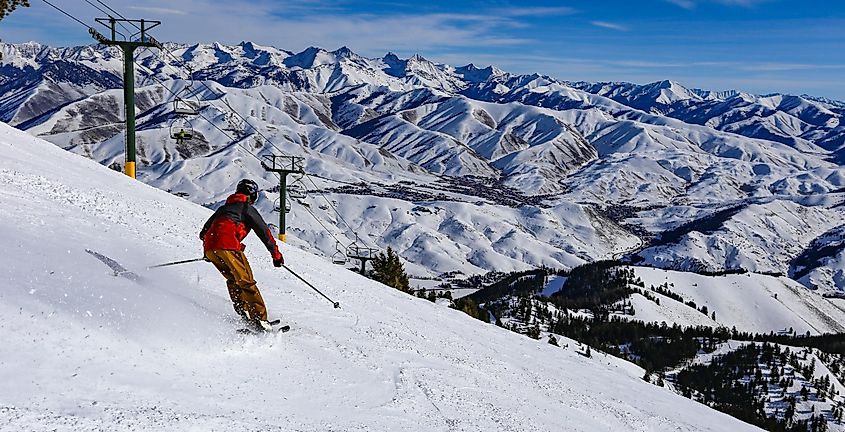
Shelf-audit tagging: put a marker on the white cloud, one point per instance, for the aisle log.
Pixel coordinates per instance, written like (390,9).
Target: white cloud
(686,4)
(159,10)
(743,3)
(536,11)
(781,67)
(295,25)
(691,4)
(609,25)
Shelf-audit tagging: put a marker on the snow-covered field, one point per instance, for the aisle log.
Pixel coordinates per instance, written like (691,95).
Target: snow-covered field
(86,350)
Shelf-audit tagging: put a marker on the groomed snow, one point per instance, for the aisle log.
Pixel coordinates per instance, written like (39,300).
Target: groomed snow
(86,350)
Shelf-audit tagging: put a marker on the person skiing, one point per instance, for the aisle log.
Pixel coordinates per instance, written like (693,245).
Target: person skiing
(221,237)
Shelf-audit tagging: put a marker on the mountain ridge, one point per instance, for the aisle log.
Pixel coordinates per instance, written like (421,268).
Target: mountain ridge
(416,133)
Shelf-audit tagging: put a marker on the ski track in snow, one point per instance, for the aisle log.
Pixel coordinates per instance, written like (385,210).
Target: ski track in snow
(85,350)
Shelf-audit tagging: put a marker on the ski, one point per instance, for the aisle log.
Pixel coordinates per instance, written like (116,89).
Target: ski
(282,329)
(115,266)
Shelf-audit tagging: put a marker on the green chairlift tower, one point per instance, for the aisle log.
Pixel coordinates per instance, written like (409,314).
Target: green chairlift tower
(129,44)
(283,165)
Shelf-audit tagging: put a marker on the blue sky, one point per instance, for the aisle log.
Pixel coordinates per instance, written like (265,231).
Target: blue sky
(761,46)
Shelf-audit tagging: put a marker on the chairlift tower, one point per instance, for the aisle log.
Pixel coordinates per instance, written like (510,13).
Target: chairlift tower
(284,165)
(361,253)
(129,44)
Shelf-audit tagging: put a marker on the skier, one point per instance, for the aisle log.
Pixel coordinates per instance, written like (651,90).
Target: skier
(222,235)
(182,135)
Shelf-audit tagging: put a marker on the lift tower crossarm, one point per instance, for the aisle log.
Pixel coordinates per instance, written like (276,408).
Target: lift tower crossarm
(132,42)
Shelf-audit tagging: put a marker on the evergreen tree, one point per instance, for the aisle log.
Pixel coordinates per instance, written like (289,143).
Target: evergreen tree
(471,308)
(388,269)
(7,6)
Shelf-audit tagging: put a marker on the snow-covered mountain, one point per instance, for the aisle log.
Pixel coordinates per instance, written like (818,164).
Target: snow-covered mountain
(466,169)
(84,349)
(800,121)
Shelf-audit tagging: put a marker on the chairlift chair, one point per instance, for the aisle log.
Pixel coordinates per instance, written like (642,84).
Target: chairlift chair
(277,207)
(182,107)
(296,191)
(361,253)
(338,257)
(181,130)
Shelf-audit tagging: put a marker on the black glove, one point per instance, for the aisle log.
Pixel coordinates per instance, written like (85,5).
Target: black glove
(279,262)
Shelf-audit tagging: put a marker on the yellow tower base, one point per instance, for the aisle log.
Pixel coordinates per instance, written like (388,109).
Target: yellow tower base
(130,169)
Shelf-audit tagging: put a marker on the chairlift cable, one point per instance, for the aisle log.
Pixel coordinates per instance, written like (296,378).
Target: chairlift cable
(66,13)
(236,141)
(322,224)
(151,75)
(118,14)
(203,83)
(120,23)
(328,201)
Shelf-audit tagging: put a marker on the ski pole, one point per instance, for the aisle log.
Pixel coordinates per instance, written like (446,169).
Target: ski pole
(176,263)
(336,304)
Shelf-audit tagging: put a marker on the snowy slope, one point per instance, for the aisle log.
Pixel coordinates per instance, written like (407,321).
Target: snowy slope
(84,349)
(776,229)
(750,302)
(822,263)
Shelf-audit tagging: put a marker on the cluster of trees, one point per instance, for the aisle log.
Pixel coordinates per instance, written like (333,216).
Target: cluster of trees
(595,286)
(389,270)
(601,288)
(654,347)
(734,383)
(665,291)
(480,280)
(471,308)
(518,284)
(838,413)
(829,343)
(834,362)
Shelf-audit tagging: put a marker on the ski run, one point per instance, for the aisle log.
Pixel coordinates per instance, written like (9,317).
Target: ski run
(86,350)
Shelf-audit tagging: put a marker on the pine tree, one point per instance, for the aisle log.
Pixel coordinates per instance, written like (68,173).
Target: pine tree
(388,269)
(7,6)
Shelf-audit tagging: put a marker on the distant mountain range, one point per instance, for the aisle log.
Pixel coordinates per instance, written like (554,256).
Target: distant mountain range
(465,170)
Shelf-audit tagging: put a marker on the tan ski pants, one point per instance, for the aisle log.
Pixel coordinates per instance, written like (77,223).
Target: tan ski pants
(246,298)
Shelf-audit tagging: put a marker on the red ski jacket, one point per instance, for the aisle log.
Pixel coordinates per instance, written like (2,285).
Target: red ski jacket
(231,223)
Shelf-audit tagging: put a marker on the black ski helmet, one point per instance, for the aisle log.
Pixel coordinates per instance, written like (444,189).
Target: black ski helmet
(248,188)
